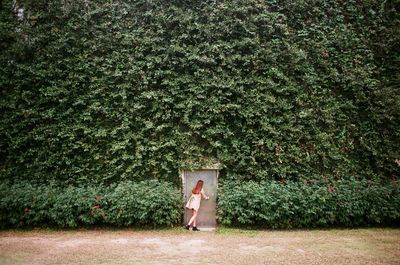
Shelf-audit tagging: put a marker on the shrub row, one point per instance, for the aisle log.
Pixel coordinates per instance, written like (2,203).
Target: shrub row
(266,204)
(123,204)
(310,204)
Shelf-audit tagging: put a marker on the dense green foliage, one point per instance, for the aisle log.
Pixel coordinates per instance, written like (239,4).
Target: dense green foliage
(317,204)
(124,204)
(269,204)
(104,91)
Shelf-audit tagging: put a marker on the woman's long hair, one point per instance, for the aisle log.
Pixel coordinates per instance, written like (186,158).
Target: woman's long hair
(199,186)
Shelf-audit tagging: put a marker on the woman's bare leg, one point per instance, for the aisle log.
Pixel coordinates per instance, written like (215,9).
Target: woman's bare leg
(193,219)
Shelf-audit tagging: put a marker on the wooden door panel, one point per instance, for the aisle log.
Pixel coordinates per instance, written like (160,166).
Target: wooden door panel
(207,211)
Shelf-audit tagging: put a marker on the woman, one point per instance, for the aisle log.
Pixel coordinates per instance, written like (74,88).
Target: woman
(194,203)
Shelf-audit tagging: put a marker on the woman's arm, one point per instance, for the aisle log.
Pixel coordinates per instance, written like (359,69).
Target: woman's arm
(204,195)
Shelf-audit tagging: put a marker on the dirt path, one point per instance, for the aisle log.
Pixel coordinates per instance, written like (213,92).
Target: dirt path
(178,246)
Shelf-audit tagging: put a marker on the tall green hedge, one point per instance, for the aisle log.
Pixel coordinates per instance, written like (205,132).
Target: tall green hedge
(103,91)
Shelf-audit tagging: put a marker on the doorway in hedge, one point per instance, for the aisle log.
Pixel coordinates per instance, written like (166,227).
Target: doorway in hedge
(208,209)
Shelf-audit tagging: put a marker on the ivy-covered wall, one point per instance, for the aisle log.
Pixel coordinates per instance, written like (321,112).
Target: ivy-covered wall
(102,91)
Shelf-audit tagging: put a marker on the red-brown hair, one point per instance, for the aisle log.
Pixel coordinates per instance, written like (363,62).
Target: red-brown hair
(199,186)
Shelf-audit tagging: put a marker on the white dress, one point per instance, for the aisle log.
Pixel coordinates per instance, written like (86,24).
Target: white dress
(194,200)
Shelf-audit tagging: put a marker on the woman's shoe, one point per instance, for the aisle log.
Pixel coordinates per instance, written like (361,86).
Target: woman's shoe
(195,228)
(187,227)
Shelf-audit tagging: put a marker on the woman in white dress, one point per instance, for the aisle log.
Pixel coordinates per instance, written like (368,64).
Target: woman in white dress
(194,204)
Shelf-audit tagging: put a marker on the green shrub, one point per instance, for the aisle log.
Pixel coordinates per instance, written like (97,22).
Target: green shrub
(310,204)
(26,204)
(128,203)
(79,205)
(134,203)
(273,204)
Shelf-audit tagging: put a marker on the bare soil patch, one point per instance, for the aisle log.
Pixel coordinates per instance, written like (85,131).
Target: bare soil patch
(178,246)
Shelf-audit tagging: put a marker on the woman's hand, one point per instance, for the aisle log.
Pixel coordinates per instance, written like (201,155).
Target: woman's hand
(204,196)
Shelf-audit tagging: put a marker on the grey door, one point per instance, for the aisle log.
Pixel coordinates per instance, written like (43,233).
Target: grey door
(207,212)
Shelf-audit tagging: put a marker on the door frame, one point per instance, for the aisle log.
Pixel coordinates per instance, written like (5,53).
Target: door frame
(182,175)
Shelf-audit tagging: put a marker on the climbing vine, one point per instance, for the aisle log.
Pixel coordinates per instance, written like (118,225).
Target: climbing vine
(104,91)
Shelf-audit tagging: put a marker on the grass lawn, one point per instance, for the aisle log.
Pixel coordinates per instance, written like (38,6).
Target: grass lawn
(178,246)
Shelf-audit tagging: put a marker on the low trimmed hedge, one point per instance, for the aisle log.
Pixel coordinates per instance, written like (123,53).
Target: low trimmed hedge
(310,204)
(123,204)
(267,204)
